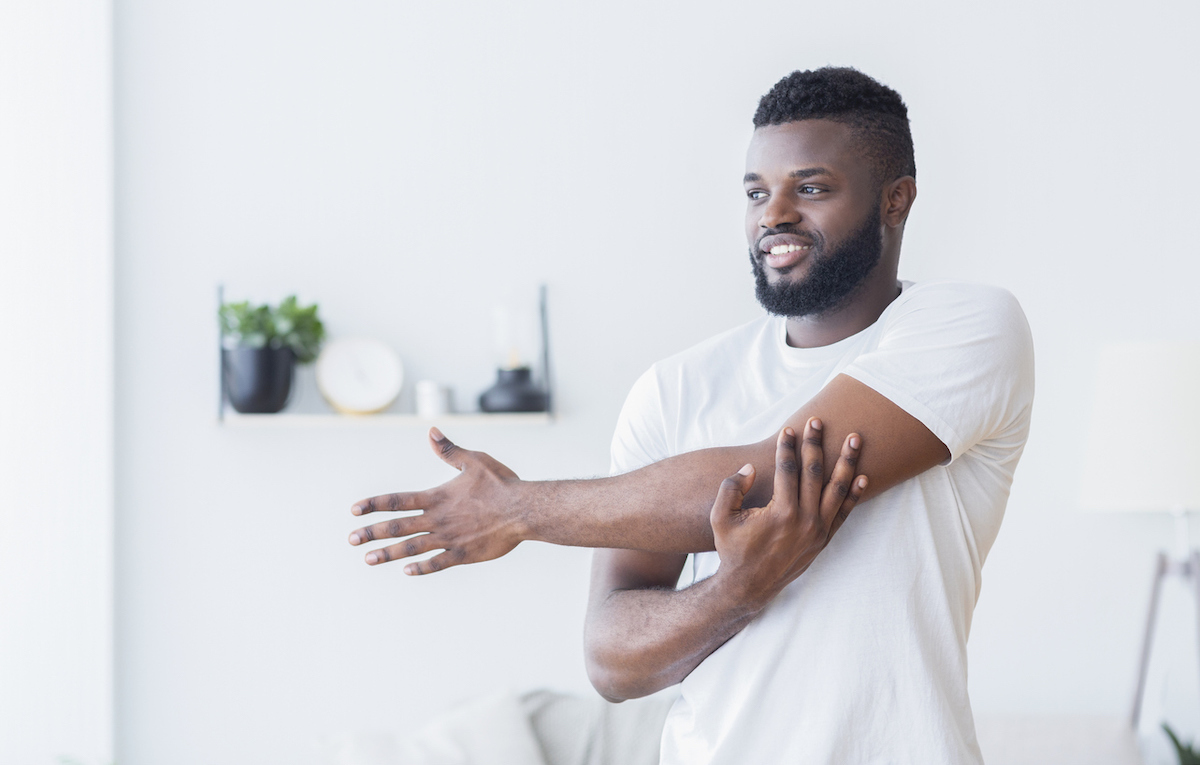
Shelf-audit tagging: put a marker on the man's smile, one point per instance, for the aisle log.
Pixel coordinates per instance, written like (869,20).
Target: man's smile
(780,249)
(784,250)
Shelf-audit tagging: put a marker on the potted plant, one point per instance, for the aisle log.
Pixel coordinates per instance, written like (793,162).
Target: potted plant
(260,346)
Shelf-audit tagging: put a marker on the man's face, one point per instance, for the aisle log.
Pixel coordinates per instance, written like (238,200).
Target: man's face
(812,216)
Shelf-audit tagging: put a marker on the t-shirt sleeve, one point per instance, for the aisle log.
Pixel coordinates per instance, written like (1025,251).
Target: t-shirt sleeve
(640,437)
(959,358)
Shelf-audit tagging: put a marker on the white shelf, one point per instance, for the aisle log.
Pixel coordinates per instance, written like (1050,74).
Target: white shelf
(383,419)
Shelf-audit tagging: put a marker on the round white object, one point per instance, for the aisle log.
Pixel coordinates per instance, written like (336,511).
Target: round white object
(359,375)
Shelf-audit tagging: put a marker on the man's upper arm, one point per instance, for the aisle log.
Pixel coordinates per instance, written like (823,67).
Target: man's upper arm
(953,368)
(896,445)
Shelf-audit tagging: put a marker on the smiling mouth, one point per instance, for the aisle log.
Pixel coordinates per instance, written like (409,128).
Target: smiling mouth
(783,249)
(784,255)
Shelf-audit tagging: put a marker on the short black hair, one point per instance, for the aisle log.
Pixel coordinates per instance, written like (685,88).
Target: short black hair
(875,113)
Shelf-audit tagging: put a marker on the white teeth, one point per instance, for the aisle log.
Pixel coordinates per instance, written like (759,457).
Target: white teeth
(780,249)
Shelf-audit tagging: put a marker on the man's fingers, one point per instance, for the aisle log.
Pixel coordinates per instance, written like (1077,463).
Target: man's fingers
(438,562)
(393,529)
(787,470)
(856,491)
(453,455)
(406,549)
(812,466)
(731,493)
(406,500)
(842,478)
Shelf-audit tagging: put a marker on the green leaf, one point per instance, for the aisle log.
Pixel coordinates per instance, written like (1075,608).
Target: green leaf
(288,326)
(1187,755)
(300,328)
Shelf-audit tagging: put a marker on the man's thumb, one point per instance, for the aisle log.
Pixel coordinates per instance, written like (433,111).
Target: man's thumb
(451,454)
(732,492)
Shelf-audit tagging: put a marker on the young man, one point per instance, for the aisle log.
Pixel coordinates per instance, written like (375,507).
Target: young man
(791,645)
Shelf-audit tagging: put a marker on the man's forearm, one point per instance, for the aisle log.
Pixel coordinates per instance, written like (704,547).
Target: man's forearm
(663,507)
(643,640)
(486,510)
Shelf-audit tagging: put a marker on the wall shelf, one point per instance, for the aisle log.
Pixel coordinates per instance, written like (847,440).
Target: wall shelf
(305,399)
(383,419)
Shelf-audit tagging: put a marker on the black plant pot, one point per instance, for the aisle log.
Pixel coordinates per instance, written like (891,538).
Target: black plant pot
(258,380)
(514,391)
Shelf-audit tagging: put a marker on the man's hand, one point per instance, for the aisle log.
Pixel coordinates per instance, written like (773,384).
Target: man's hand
(763,549)
(481,521)
(643,635)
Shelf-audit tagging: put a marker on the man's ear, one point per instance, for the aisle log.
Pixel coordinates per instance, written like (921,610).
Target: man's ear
(898,197)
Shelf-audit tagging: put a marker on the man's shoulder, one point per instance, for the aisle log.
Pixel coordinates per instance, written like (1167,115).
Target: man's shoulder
(962,308)
(951,293)
(723,348)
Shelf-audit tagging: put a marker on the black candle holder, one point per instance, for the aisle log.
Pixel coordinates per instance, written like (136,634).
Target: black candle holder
(514,391)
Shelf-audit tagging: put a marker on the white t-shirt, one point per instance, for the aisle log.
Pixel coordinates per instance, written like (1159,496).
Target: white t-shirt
(863,659)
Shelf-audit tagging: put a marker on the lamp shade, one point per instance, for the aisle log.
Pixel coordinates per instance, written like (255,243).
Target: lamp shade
(1143,448)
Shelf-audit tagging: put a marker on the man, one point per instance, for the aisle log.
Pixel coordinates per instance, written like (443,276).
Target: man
(791,645)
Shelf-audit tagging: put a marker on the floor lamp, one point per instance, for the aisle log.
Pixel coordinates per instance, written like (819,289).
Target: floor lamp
(1149,394)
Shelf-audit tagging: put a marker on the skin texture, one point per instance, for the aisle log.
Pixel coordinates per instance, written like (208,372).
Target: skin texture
(804,182)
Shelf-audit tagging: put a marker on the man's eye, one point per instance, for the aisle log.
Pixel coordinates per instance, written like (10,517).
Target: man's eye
(810,190)
(756,194)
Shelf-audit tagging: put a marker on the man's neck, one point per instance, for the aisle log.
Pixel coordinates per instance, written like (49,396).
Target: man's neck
(861,311)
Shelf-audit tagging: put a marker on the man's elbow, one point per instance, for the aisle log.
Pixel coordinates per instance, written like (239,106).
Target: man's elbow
(607,680)
(617,678)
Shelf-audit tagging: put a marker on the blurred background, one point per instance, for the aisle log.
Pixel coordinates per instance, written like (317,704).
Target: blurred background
(175,590)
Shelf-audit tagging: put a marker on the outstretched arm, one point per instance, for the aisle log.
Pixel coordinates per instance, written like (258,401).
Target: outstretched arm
(642,635)
(485,511)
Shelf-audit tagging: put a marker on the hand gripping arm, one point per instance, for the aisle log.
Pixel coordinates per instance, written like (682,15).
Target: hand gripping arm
(642,635)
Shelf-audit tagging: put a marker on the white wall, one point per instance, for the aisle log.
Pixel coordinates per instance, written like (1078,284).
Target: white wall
(56,390)
(402,163)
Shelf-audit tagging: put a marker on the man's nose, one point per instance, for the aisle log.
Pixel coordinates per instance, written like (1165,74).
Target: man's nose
(779,210)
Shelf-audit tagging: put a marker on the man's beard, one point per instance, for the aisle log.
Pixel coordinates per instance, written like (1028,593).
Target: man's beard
(832,277)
